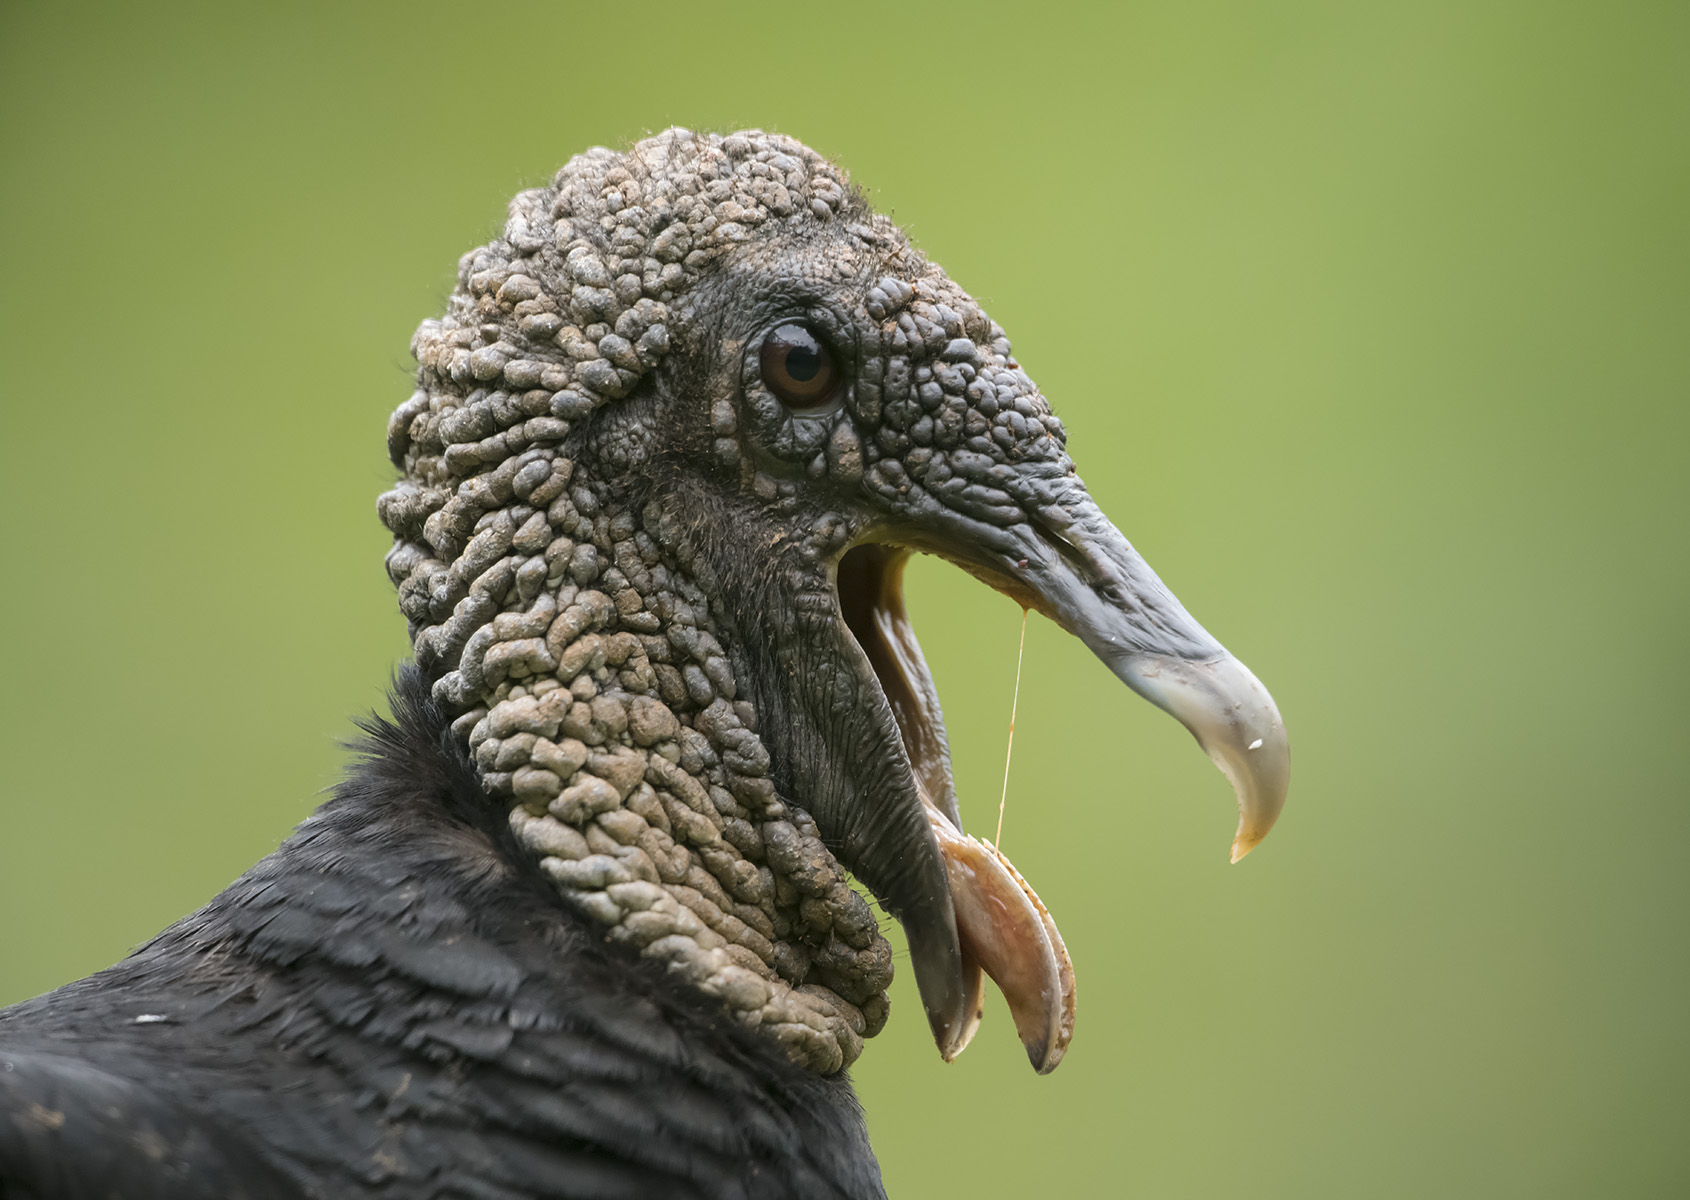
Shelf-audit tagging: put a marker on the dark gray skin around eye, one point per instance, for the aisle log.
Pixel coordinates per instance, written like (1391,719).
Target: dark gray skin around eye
(941,442)
(581,921)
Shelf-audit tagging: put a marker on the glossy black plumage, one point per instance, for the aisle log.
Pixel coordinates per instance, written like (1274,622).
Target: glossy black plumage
(396,1004)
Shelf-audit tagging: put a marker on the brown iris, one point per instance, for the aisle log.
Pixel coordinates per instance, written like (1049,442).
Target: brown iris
(798,368)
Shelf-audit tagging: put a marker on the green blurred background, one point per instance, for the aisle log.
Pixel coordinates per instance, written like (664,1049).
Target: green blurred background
(1371,326)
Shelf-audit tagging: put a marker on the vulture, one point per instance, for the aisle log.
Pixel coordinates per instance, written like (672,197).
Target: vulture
(583,918)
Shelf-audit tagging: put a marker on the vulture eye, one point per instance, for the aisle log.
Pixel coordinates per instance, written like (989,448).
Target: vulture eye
(798,368)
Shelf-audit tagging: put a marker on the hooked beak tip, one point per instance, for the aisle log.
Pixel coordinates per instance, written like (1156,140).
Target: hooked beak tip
(1235,720)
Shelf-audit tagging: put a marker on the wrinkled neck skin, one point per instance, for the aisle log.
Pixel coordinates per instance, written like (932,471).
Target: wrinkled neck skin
(597,684)
(614,599)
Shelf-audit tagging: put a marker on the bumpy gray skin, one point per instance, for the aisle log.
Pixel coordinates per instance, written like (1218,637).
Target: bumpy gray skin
(613,545)
(579,924)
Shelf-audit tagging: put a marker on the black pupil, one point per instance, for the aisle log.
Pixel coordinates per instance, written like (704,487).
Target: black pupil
(797,367)
(803,361)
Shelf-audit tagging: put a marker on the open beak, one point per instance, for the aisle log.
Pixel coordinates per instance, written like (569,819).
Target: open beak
(1072,565)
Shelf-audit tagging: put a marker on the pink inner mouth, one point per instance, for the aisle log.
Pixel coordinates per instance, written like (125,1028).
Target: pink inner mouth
(1003,928)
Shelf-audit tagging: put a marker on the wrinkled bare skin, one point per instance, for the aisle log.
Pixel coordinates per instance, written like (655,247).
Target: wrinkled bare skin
(617,550)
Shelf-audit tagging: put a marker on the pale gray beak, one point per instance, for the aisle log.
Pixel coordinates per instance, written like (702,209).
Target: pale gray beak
(1081,572)
(1068,562)
(1234,719)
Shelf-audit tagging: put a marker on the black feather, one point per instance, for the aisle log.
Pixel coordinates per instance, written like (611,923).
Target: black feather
(396,1003)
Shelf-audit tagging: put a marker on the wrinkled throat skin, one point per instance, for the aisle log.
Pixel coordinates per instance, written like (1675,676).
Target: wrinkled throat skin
(614,406)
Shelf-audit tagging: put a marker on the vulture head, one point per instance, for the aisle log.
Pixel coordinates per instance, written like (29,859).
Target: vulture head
(677,434)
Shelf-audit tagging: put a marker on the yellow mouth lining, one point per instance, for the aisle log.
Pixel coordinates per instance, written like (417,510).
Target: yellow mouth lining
(1002,926)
